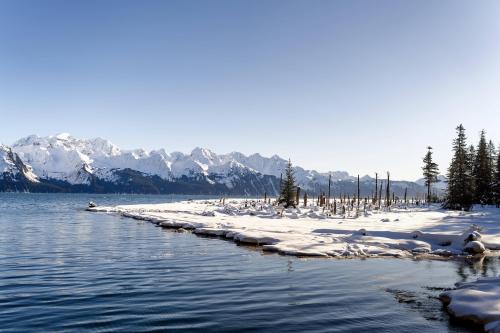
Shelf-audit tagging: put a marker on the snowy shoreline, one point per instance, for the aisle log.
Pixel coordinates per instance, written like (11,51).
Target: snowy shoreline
(477,301)
(313,231)
(402,232)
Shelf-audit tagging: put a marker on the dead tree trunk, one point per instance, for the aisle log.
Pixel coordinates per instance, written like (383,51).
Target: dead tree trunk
(329,187)
(297,196)
(358,191)
(388,191)
(380,195)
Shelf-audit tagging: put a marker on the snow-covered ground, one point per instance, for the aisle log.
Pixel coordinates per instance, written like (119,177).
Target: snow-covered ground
(314,231)
(478,301)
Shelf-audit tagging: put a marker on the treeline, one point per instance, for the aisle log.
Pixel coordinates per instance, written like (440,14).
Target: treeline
(474,173)
(473,178)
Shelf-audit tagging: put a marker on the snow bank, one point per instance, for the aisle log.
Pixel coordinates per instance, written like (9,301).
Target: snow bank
(313,231)
(476,301)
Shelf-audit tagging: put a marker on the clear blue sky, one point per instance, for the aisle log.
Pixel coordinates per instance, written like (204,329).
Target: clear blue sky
(361,86)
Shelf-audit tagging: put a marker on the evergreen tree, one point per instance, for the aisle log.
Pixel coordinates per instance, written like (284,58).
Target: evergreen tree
(496,182)
(430,172)
(492,157)
(472,157)
(288,190)
(470,165)
(460,194)
(482,172)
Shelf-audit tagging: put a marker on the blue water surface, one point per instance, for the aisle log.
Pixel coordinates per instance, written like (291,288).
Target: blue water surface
(63,269)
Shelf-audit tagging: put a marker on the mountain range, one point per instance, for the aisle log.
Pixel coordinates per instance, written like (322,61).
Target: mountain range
(63,163)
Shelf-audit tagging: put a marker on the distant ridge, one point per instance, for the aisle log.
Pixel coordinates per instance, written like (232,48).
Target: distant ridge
(62,163)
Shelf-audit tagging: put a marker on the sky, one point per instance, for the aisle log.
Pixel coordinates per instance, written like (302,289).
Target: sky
(357,85)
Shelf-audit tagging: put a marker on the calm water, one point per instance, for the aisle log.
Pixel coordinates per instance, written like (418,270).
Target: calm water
(63,269)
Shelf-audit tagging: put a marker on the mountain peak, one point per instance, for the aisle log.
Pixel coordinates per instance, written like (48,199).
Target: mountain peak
(27,140)
(204,156)
(63,136)
(200,151)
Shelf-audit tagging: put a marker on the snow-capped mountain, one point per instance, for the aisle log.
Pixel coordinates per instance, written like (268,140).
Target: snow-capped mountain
(66,158)
(98,165)
(12,167)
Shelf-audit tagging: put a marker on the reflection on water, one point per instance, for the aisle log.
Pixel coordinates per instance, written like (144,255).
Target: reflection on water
(64,269)
(481,266)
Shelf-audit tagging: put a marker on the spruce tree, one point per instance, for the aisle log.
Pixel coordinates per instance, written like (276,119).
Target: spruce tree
(288,191)
(460,194)
(496,182)
(482,172)
(492,157)
(471,155)
(430,172)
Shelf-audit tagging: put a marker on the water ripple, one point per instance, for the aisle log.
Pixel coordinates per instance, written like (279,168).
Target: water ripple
(66,270)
